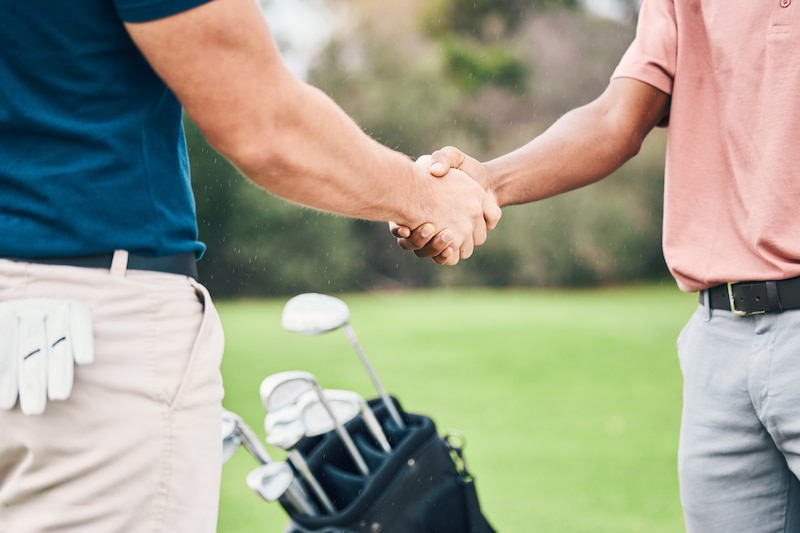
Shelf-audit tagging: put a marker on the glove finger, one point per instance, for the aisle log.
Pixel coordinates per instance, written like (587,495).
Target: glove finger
(80,330)
(32,353)
(9,378)
(59,358)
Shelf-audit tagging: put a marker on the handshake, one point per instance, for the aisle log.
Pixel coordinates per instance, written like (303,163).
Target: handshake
(465,211)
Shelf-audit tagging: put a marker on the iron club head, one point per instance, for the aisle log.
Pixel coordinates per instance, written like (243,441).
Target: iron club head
(285,388)
(231,440)
(271,481)
(313,313)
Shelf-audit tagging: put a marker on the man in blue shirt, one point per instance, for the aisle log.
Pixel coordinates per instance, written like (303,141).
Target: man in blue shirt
(99,241)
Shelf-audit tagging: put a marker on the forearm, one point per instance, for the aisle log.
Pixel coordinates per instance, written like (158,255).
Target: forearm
(585,145)
(564,158)
(304,148)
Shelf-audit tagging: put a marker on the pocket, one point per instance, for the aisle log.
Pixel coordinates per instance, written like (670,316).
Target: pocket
(683,336)
(201,383)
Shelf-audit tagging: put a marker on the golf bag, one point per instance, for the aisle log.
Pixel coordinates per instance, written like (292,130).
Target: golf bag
(421,486)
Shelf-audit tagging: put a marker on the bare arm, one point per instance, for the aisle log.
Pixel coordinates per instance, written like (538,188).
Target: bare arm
(288,137)
(582,147)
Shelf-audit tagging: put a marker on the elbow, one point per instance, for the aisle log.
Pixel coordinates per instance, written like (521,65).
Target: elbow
(630,145)
(259,135)
(257,156)
(624,138)
(252,157)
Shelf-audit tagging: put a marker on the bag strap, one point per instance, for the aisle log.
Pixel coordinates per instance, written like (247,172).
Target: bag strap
(476,522)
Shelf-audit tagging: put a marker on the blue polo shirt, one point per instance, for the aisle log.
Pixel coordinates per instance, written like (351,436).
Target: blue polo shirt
(92,150)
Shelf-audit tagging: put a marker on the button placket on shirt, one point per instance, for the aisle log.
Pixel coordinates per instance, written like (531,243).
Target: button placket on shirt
(781,21)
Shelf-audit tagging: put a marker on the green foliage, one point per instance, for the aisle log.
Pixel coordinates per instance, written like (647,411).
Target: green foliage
(569,400)
(395,97)
(482,19)
(471,66)
(472,17)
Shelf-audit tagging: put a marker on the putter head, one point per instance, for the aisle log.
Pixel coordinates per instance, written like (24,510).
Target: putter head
(313,313)
(271,481)
(231,438)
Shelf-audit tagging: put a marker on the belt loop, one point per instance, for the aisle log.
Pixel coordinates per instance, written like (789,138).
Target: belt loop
(773,298)
(707,304)
(119,263)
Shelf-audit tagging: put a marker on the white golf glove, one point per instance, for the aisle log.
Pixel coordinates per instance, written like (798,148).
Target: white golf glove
(40,340)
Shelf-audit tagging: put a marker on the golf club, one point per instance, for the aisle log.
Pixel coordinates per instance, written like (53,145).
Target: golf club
(321,422)
(236,432)
(286,436)
(271,481)
(348,405)
(285,388)
(313,313)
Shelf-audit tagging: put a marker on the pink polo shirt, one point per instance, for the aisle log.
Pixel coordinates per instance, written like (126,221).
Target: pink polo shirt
(732,194)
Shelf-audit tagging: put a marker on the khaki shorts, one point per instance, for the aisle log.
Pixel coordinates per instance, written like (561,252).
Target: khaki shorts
(136,447)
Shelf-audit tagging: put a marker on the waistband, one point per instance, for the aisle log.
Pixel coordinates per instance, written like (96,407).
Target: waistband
(755,297)
(181,264)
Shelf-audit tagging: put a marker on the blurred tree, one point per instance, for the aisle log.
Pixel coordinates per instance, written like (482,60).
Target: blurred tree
(485,20)
(471,67)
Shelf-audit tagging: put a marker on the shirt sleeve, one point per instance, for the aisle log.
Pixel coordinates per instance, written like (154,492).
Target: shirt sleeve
(147,10)
(651,58)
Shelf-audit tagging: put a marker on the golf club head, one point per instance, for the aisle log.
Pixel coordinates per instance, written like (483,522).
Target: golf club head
(316,418)
(231,439)
(284,388)
(284,416)
(354,401)
(271,481)
(313,313)
(312,414)
(235,433)
(285,435)
(307,418)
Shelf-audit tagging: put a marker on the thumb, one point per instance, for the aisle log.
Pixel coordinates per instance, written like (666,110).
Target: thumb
(491,212)
(443,160)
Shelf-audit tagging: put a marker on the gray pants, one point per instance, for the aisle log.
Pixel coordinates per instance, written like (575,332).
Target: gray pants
(739,454)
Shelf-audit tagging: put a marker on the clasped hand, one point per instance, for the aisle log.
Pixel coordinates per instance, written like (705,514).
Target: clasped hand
(427,240)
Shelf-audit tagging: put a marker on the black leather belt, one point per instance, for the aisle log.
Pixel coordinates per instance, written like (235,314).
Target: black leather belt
(182,264)
(755,297)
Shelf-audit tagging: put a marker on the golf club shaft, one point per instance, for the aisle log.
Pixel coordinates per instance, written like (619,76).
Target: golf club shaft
(351,336)
(374,428)
(343,434)
(296,495)
(253,444)
(302,467)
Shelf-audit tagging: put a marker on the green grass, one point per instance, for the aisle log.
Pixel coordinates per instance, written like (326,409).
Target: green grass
(569,400)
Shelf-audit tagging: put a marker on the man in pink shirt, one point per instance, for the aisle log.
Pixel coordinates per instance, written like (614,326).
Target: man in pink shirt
(724,77)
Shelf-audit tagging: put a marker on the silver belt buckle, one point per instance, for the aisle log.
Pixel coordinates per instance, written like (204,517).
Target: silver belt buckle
(732,300)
